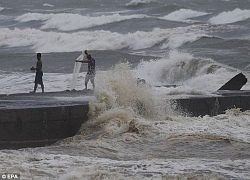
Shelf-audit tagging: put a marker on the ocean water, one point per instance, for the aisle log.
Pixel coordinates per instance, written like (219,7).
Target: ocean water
(198,45)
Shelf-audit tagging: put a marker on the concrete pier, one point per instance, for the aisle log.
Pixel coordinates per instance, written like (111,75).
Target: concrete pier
(212,106)
(32,120)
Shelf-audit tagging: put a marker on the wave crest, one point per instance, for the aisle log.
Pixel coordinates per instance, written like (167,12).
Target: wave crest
(183,14)
(230,17)
(70,22)
(139,2)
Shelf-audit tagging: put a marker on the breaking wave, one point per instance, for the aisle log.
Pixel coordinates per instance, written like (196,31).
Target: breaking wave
(230,17)
(96,40)
(70,22)
(183,14)
(183,68)
(140,2)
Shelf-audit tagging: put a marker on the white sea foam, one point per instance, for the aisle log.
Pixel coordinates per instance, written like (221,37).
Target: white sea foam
(44,41)
(118,87)
(40,165)
(183,14)
(177,39)
(48,5)
(137,2)
(183,68)
(230,16)
(1,8)
(69,22)
(233,125)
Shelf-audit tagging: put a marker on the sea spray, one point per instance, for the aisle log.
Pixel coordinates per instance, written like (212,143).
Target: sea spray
(178,68)
(119,88)
(121,105)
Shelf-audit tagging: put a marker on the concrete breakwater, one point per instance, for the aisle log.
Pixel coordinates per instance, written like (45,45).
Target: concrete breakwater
(32,120)
(212,106)
(31,127)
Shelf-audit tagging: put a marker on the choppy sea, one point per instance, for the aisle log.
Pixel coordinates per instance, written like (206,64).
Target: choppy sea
(196,44)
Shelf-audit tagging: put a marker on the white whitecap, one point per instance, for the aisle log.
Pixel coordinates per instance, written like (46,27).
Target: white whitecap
(183,14)
(69,22)
(230,16)
(48,5)
(137,2)
(45,41)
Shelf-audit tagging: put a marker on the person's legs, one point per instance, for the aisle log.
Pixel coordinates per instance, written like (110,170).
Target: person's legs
(38,80)
(87,77)
(36,83)
(35,87)
(92,80)
(41,82)
(42,86)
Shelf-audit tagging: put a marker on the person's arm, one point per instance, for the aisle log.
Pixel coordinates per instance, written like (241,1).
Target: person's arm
(38,67)
(82,61)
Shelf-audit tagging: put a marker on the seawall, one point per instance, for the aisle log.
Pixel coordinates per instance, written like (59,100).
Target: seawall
(32,120)
(212,106)
(40,126)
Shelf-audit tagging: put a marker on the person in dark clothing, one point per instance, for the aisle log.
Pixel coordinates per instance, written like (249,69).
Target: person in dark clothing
(91,68)
(39,73)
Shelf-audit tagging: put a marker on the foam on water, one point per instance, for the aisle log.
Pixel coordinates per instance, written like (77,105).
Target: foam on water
(48,5)
(39,165)
(43,41)
(183,14)
(137,2)
(70,22)
(184,69)
(118,88)
(230,16)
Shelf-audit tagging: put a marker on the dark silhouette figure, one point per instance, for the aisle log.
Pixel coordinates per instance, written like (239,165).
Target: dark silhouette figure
(39,73)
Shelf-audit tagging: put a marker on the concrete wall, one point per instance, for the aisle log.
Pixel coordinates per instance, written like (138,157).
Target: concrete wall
(31,127)
(44,124)
(211,105)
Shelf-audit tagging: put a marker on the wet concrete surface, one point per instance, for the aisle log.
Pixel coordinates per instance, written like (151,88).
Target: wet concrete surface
(47,99)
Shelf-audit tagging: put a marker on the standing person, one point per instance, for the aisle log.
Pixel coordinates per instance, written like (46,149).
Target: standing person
(39,73)
(91,68)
